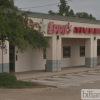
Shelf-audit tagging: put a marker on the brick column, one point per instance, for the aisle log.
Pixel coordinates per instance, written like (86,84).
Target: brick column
(91,52)
(53,62)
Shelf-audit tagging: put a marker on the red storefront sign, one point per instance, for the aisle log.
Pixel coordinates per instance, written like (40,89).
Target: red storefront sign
(86,30)
(63,29)
(31,25)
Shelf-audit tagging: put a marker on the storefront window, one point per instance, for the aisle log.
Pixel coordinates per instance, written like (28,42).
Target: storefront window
(66,51)
(44,53)
(82,51)
(98,50)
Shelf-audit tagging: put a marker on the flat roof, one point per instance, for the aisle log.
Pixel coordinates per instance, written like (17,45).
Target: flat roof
(61,18)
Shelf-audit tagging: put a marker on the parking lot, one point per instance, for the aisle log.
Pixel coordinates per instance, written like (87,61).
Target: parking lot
(65,86)
(67,80)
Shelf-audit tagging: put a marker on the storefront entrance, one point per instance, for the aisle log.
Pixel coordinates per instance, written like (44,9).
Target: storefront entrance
(79,52)
(73,52)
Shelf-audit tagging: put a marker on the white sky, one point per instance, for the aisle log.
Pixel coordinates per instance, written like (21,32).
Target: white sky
(89,6)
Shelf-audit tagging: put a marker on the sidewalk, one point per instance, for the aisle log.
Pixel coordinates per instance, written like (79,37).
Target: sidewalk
(38,74)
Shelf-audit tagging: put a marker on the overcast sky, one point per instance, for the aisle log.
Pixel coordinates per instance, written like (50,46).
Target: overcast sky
(89,6)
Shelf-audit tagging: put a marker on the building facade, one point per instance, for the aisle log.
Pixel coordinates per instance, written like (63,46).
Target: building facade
(73,42)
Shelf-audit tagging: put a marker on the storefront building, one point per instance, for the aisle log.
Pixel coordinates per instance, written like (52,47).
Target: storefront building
(73,42)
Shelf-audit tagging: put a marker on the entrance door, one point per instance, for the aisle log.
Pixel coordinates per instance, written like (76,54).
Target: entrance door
(12,58)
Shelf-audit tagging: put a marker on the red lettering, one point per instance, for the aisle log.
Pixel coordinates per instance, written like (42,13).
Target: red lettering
(31,25)
(50,27)
(98,30)
(79,29)
(89,30)
(75,30)
(64,28)
(60,29)
(94,31)
(84,30)
(55,29)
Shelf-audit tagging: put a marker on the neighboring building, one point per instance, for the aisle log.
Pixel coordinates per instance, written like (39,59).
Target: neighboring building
(73,42)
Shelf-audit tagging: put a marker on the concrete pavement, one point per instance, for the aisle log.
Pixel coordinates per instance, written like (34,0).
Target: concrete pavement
(67,80)
(38,74)
(89,80)
(69,93)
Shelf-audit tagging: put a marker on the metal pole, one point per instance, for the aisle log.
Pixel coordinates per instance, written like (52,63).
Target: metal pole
(2,57)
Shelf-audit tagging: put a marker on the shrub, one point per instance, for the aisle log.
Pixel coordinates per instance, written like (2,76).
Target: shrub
(7,79)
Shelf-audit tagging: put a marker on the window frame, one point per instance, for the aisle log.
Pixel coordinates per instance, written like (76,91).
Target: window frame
(80,51)
(97,51)
(69,47)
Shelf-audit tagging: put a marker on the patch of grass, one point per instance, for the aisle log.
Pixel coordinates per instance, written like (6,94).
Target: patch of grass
(8,80)
(21,84)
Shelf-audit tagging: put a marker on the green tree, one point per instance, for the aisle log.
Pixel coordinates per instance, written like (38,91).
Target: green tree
(85,15)
(79,14)
(67,11)
(71,13)
(62,7)
(64,10)
(51,12)
(91,17)
(14,28)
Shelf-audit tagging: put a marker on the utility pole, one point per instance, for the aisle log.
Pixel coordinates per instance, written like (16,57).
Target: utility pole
(2,57)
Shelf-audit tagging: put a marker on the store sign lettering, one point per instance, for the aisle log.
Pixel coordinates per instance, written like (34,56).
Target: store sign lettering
(86,30)
(31,25)
(63,29)
(66,29)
